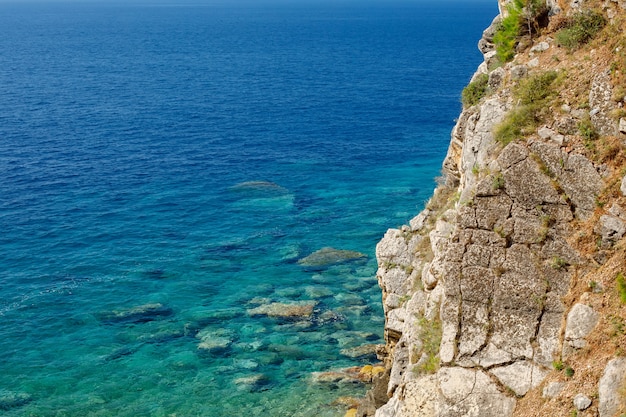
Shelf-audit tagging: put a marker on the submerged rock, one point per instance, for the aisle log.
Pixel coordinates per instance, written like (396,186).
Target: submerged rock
(214,341)
(330,256)
(256,189)
(10,399)
(254,383)
(342,376)
(360,351)
(285,310)
(138,314)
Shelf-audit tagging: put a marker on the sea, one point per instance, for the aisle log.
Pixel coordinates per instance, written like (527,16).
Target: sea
(167,168)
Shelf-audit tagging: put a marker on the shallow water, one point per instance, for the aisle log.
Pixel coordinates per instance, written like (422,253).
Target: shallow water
(128,239)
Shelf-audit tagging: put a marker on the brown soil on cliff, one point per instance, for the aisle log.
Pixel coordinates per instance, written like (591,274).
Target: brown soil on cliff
(595,281)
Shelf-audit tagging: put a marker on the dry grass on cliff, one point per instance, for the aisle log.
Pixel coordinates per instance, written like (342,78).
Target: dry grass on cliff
(595,282)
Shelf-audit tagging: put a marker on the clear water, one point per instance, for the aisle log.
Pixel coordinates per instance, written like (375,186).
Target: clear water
(124,130)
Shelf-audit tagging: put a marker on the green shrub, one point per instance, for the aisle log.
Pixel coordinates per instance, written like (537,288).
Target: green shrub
(524,17)
(536,88)
(621,287)
(588,132)
(580,29)
(475,91)
(532,93)
(430,335)
(518,123)
(506,37)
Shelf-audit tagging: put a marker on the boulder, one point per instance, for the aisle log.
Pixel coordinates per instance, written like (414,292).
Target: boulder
(553,389)
(581,321)
(540,47)
(610,387)
(581,402)
(623,186)
(611,229)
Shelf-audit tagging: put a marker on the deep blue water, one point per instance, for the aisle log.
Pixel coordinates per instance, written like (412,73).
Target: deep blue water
(125,130)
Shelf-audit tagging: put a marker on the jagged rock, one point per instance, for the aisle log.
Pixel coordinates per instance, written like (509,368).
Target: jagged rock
(376,397)
(553,389)
(553,6)
(600,100)
(330,256)
(394,281)
(581,321)
(533,63)
(610,386)
(623,186)
(214,341)
(401,359)
(520,376)
(581,402)
(496,77)
(392,248)
(296,310)
(611,229)
(417,223)
(622,125)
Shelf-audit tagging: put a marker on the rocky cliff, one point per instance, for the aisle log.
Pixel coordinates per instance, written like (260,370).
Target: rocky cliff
(505,296)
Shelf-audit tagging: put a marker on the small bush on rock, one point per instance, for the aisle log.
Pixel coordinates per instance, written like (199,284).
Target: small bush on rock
(580,29)
(533,94)
(475,91)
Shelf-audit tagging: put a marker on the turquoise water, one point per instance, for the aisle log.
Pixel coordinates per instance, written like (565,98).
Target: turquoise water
(165,169)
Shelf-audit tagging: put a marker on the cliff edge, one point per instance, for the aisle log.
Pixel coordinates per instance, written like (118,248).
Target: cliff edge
(505,296)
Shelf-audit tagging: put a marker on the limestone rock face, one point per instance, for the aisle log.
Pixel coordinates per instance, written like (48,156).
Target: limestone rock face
(474,289)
